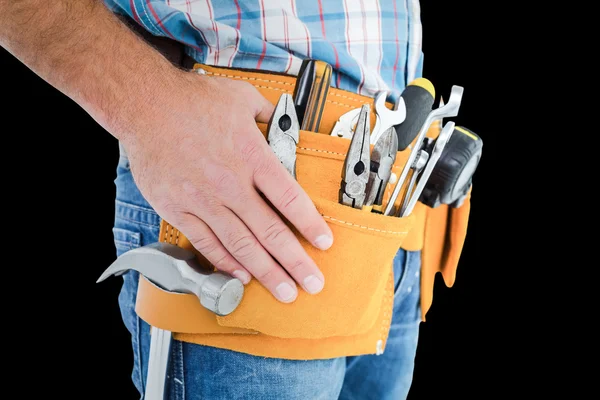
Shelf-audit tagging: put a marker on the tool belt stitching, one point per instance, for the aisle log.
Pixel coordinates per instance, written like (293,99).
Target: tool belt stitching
(289,84)
(364,227)
(280,82)
(169,234)
(322,151)
(170,231)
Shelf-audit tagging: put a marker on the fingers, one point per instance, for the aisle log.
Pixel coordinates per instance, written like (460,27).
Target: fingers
(241,243)
(282,190)
(279,240)
(263,108)
(204,240)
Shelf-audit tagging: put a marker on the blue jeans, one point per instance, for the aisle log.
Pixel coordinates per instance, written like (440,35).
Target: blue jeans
(201,372)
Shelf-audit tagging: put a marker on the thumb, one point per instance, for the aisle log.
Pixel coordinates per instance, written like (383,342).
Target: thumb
(263,108)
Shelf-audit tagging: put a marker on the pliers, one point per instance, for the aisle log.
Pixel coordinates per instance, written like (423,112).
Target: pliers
(382,160)
(284,132)
(357,165)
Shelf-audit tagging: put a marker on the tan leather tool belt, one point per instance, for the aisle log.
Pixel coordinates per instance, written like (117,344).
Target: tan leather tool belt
(352,315)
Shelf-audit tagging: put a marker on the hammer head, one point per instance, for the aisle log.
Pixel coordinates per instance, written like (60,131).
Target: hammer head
(177,270)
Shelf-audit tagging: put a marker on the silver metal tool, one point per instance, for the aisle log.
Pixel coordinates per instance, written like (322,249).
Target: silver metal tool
(441,120)
(158,363)
(448,110)
(356,169)
(284,132)
(417,168)
(382,160)
(177,270)
(386,118)
(438,148)
(344,127)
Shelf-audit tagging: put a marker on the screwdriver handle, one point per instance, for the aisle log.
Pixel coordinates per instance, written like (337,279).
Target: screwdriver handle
(310,93)
(418,96)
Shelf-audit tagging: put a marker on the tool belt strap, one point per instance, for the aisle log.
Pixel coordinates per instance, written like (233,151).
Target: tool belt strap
(352,315)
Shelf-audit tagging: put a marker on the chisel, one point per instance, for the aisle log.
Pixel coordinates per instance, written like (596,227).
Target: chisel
(310,93)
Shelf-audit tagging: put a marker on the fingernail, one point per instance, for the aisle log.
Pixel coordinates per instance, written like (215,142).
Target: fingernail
(313,284)
(324,242)
(285,292)
(242,276)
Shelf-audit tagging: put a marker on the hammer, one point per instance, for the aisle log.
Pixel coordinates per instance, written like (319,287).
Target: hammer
(176,270)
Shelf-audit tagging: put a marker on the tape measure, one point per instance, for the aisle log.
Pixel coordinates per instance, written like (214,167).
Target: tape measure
(452,177)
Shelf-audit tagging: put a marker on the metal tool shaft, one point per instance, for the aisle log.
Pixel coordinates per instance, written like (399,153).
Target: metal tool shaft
(386,118)
(440,143)
(448,110)
(158,363)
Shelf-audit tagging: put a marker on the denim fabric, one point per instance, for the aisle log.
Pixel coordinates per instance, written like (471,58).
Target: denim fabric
(201,372)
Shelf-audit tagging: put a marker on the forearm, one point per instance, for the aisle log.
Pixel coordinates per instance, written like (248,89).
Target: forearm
(83,50)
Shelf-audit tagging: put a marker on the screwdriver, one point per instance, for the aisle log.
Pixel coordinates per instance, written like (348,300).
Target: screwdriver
(310,93)
(418,96)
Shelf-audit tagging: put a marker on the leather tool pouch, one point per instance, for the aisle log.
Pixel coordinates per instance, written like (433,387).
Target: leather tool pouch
(352,315)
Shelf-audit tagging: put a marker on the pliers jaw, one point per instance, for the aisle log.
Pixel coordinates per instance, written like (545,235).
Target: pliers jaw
(284,132)
(382,160)
(356,169)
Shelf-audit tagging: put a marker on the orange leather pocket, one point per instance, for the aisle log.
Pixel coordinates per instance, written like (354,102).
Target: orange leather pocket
(356,269)
(444,236)
(350,316)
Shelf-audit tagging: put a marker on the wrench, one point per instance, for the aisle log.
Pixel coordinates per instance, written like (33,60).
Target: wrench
(446,111)
(386,118)
(344,127)
(420,163)
(440,143)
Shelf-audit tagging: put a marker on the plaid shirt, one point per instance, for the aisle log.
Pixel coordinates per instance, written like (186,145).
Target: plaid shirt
(372,45)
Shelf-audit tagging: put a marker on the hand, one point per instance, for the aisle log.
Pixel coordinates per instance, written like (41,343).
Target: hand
(199,159)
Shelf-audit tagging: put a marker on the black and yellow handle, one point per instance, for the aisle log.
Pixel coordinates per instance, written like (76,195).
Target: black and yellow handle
(310,93)
(418,97)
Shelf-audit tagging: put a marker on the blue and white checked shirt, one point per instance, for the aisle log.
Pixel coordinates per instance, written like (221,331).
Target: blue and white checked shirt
(372,45)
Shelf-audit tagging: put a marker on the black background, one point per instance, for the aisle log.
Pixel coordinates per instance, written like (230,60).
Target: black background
(61,192)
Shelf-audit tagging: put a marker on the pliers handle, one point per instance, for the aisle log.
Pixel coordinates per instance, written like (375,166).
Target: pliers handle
(284,132)
(382,160)
(357,165)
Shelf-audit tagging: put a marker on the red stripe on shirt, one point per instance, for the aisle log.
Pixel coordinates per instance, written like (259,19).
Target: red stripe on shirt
(262,56)
(216,29)
(189,18)
(397,46)
(337,60)
(158,20)
(365,46)
(237,31)
(286,40)
(348,31)
(380,43)
(239,15)
(293,2)
(264,24)
(134,12)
